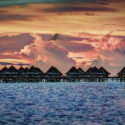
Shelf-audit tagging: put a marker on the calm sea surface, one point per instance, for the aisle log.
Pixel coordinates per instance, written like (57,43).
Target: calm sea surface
(62,104)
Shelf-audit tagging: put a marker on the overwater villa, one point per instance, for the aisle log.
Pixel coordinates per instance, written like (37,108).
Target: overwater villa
(9,74)
(121,74)
(13,72)
(53,74)
(4,72)
(26,70)
(22,74)
(34,74)
(21,71)
(73,73)
(103,73)
(88,72)
(82,72)
(95,72)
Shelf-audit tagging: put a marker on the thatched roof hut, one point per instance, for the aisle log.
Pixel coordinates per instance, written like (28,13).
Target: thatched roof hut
(12,70)
(39,70)
(5,70)
(73,71)
(34,70)
(26,70)
(95,72)
(89,70)
(121,73)
(21,70)
(104,71)
(53,71)
(81,71)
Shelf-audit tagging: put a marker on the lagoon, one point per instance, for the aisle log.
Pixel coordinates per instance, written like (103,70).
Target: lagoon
(62,103)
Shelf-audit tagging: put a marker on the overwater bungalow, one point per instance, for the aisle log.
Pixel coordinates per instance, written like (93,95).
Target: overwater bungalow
(88,72)
(34,74)
(5,72)
(103,72)
(121,74)
(13,73)
(9,74)
(82,72)
(39,73)
(22,74)
(53,74)
(73,72)
(21,71)
(93,72)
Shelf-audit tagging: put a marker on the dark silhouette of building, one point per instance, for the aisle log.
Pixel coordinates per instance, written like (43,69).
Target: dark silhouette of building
(73,73)
(121,73)
(53,72)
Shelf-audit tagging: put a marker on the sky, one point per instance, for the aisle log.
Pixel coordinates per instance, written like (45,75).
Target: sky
(63,33)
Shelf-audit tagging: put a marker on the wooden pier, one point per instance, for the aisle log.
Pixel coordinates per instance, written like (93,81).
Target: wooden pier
(61,79)
(34,74)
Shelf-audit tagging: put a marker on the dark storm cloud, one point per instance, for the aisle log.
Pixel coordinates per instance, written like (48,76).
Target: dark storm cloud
(7,63)
(5,3)
(69,8)
(56,37)
(15,17)
(103,3)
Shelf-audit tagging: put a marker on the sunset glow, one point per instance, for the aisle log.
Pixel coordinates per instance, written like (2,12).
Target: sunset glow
(63,33)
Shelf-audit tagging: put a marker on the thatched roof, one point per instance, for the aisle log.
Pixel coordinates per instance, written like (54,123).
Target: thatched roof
(73,70)
(81,71)
(26,70)
(53,70)
(12,69)
(35,70)
(5,69)
(122,71)
(89,70)
(103,70)
(95,70)
(39,70)
(21,70)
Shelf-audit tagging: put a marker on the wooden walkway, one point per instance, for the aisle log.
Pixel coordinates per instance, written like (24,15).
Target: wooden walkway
(62,79)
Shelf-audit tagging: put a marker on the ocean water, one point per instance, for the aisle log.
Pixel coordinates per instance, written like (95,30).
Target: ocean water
(62,104)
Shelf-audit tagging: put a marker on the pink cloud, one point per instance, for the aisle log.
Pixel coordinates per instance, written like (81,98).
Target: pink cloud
(45,54)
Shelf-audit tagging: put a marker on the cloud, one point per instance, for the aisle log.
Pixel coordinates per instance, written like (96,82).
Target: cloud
(16,17)
(2,11)
(71,8)
(56,37)
(11,42)
(78,47)
(19,64)
(10,34)
(89,14)
(103,3)
(45,54)
(25,2)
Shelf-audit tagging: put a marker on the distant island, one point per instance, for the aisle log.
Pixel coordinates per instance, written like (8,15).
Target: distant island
(35,74)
